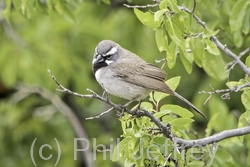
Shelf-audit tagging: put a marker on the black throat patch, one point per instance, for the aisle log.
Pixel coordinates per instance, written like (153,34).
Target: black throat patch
(97,66)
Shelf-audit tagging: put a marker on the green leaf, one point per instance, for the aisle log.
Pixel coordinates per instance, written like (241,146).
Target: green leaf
(68,15)
(237,15)
(160,140)
(181,122)
(178,20)
(64,11)
(50,6)
(174,32)
(9,72)
(168,118)
(41,7)
(248,61)
(245,99)
(182,112)
(159,14)
(198,53)
(186,63)
(211,47)
(7,10)
(248,116)
(147,106)
(233,84)
(146,18)
(163,4)
(17,4)
(221,156)
(173,6)
(172,83)
(238,38)
(246,23)
(196,163)
(106,2)
(214,66)
(120,148)
(171,55)
(162,113)
(218,110)
(208,33)
(243,120)
(161,39)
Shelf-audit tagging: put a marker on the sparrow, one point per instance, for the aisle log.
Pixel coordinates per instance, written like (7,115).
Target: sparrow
(126,75)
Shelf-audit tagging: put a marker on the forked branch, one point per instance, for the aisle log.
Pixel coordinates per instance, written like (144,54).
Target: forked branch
(165,129)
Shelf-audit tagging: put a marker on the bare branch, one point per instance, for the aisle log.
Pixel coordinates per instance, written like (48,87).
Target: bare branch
(194,7)
(98,116)
(166,129)
(226,92)
(142,7)
(215,138)
(233,63)
(244,52)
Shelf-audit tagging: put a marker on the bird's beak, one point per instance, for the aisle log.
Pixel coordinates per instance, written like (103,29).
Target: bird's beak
(97,59)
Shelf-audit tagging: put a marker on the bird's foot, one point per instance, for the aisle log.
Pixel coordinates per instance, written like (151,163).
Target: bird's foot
(105,93)
(138,107)
(120,113)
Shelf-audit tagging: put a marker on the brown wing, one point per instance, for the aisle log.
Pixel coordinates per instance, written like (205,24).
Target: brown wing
(142,74)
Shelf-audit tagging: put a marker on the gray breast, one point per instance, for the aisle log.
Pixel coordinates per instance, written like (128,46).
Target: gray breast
(118,87)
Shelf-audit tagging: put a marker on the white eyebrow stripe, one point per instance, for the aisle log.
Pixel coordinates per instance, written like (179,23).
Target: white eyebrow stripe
(112,51)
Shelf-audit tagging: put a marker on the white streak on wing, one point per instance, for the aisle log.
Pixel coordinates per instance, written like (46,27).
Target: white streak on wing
(112,51)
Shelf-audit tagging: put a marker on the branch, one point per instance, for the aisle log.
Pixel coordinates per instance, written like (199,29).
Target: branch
(98,116)
(26,90)
(233,63)
(142,7)
(215,138)
(226,92)
(165,129)
(157,2)
(219,44)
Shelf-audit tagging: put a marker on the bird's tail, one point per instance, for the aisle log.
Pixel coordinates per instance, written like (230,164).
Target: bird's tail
(189,103)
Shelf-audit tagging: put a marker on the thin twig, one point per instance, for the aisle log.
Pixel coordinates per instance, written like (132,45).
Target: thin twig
(98,116)
(214,138)
(194,7)
(166,129)
(233,63)
(101,151)
(244,52)
(142,7)
(162,60)
(226,92)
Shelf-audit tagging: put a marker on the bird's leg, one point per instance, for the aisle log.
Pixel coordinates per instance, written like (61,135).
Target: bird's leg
(120,114)
(105,93)
(138,106)
(128,103)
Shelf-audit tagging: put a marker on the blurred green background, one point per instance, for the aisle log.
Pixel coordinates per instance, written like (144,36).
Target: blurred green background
(30,46)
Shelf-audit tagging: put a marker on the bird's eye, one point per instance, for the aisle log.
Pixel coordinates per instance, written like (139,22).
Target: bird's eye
(108,57)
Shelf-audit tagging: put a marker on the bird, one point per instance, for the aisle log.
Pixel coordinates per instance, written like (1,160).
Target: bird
(124,74)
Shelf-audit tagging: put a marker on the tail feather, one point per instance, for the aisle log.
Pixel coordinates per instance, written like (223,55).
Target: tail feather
(189,103)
